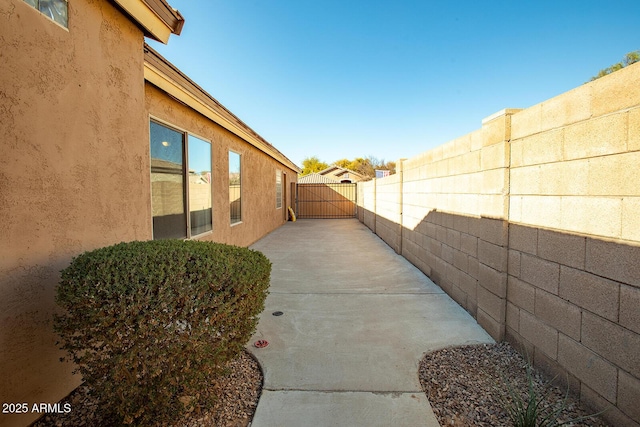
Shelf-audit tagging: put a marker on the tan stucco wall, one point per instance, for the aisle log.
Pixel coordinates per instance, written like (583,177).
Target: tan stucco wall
(71,170)
(259,213)
(75,174)
(532,224)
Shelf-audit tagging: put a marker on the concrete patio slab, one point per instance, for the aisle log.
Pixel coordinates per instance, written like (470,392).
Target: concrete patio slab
(357,318)
(352,409)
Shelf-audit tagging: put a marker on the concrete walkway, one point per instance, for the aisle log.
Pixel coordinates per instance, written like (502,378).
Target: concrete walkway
(357,318)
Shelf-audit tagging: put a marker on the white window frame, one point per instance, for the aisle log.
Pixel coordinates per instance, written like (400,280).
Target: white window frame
(62,21)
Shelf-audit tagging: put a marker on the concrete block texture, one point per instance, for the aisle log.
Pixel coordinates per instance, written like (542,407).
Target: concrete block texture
(613,260)
(564,178)
(460,260)
(523,238)
(494,181)
(540,273)
(618,344)
(617,91)
(525,180)
(513,259)
(570,107)
(596,137)
(563,248)
(476,139)
(497,127)
(597,216)
(633,135)
(615,175)
(453,238)
(558,313)
(541,335)
(545,147)
(588,367)
(630,308)
(590,292)
(613,415)
(494,231)
(495,156)
(513,317)
(494,131)
(631,219)
(629,395)
(491,304)
(527,122)
(521,294)
(493,327)
(492,255)
(469,244)
(493,205)
(461,223)
(539,211)
(493,280)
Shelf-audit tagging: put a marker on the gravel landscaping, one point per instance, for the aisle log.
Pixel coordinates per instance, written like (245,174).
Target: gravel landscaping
(238,393)
(464,386)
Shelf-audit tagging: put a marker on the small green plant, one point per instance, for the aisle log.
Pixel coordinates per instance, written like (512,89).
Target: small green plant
(533,408)
(150,324)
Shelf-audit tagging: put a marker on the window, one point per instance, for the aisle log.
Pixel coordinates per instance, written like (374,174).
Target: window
(235,188)
(56,10)
(174,191)
(199,185)
(278,189)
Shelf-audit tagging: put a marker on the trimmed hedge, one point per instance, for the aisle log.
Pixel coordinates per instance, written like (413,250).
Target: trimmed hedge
(149,324)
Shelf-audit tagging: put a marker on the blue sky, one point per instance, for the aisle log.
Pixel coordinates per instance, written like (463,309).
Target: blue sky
(346,79)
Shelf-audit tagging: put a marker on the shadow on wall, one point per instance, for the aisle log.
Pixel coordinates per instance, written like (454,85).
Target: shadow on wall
(572,302)
(29,355)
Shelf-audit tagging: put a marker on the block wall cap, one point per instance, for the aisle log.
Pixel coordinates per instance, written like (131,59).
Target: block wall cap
(503,112)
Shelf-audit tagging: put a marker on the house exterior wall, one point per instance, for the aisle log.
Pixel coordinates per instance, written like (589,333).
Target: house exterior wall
(531,223)
(259,213)
(71,173)
(75,174)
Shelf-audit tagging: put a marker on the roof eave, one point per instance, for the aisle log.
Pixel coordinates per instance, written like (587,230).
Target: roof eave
(156,17)
(164,75)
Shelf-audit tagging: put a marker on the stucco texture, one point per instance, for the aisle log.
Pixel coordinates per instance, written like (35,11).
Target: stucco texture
(259,213)
(74,161)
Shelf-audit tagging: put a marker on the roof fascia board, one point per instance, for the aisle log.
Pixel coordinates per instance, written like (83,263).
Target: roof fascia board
(142,13)
(168,85)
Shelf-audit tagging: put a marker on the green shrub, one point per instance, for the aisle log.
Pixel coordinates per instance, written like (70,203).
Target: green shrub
(149,324)
(536,408)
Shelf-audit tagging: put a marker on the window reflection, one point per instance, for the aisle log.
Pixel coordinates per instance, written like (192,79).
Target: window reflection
(167,184)
(235,187)
(199,185)
(56,10)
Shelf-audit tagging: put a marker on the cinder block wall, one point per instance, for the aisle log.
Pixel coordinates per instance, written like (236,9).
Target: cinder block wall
(446,211)
(573,293)
(532,224)
(388,211)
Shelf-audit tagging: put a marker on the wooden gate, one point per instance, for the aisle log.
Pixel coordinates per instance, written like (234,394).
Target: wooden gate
(326,200)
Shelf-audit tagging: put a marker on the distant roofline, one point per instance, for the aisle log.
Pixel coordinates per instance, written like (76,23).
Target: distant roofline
(316,178)
(333,167)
